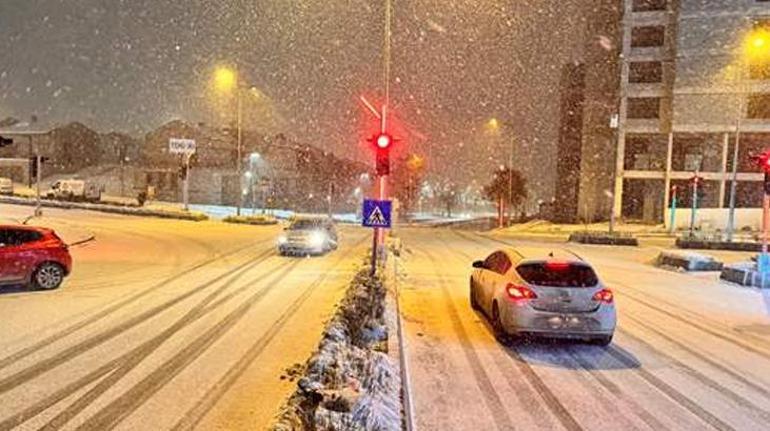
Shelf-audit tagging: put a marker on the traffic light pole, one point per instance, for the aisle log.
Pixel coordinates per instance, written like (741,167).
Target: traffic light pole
(186,182)
(38,204)
(672,222)
(694,204)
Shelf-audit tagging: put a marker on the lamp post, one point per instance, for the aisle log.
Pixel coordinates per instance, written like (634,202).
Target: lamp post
(226,80)
(756,49)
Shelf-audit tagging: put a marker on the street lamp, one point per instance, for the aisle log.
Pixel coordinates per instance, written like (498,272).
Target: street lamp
(756,50)
(226,80)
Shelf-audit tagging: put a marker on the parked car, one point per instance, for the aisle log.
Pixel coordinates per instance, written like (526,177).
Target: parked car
(308,235)
(6,186)
(33,256)
(543,292)
(75,190)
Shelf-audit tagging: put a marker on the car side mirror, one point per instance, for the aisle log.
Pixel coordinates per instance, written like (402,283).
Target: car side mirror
(478,264)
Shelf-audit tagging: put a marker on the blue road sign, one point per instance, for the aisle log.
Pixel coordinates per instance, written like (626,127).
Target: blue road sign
(377,213)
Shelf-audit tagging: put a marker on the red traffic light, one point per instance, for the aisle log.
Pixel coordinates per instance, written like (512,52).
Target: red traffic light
(762,160)
(383,141)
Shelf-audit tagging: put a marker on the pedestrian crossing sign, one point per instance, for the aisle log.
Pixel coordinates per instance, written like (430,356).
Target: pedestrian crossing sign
(377,214)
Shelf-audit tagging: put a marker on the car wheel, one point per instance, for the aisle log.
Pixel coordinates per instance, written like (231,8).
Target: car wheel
(602,341)
(497,325)
(48,276)
(474,303)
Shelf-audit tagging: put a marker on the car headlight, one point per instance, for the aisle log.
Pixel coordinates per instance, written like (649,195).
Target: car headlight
(282,240)
(317,239)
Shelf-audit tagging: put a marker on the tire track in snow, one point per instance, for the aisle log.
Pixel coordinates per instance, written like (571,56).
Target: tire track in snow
(713,331)
(118,409)
(20,377)
(492,400)
(119,367)
(701,413)
(701,356)
(615,390)
(738,400)
(196,413)
(550,399)
(527,394)
(15,357)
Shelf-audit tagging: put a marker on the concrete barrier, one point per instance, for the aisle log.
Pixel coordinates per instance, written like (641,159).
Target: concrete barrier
(603,238)
(703,244)
(689,261)
(745,274)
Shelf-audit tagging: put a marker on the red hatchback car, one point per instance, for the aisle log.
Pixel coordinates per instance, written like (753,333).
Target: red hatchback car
(33,256)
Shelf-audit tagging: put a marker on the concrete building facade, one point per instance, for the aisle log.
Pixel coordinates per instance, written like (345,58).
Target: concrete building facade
(689,101)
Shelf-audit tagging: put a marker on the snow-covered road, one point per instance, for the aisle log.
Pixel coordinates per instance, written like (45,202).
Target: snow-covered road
(164,325)
(690,353)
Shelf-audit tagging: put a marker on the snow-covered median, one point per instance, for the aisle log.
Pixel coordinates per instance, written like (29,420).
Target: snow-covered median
(259,219)
(165,211)
(350,383)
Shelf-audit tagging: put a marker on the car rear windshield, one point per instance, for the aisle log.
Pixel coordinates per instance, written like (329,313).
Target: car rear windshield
(306,224)
(558,274)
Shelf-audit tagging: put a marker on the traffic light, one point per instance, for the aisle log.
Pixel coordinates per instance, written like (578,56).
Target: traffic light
(383,163)
(763,162)
(4,142)
(33,166)
(383,143)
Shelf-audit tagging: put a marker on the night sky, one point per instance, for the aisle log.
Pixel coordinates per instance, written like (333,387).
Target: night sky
(131,65)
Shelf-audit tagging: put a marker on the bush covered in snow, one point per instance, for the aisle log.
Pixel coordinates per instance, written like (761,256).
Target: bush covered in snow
(259,219)
(349,383)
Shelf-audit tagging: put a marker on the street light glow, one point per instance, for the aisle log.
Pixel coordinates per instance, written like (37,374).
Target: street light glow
(493,123)
(225,79)
(757,45)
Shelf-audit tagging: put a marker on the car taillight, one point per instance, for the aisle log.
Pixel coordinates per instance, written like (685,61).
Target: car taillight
(557,266)
(605,296)
(520,293)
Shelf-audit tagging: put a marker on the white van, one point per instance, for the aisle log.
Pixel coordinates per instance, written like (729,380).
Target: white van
(6,186)
(75,190)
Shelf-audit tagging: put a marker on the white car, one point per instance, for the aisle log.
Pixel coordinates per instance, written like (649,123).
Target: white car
(553,293)
(308,235)
(6,186)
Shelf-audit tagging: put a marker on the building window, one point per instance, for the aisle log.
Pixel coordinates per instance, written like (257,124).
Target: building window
(652,5)
(645,72)
(759,106)
(647,37)
(643,108)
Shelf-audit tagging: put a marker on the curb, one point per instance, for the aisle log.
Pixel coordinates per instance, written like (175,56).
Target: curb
(397,347)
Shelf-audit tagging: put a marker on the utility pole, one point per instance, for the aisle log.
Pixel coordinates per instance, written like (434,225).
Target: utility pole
(186,182)
(695,181)
(38,204)
(239,168)
(510,182)
(672,222)
(743,70)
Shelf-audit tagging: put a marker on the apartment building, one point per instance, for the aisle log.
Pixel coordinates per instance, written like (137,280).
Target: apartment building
(688,97)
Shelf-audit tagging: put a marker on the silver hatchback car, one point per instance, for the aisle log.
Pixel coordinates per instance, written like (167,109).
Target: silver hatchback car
(553,293)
